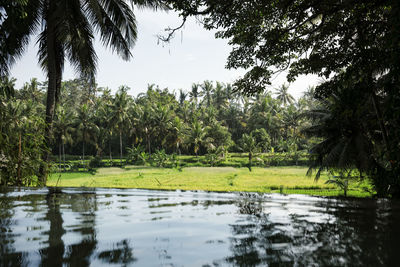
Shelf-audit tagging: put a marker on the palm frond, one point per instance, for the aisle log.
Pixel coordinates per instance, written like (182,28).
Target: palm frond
(115,22)
(15,31)
(77,36)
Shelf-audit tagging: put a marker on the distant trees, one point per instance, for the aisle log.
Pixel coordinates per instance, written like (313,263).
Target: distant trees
(21,142)
(63,130)
(94,120)
(283,95)
(120,115)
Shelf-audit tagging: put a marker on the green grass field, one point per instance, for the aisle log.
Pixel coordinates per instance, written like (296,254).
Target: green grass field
(288,180)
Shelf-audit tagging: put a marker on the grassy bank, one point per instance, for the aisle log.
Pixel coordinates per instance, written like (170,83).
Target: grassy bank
(288,180)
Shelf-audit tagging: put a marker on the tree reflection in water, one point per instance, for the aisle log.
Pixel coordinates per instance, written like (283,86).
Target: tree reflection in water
(348,232)
(78,227)
(122,254)
(53,254)
(8,254)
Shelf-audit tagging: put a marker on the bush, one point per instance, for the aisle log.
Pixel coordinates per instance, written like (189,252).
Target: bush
(134,154)
(160,158)
(75,166)
(95,162)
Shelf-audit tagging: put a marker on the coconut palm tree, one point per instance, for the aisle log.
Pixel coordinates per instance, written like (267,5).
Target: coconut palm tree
(162,117)
(121,113)
(194,93)
(178,132)
(32,91)
(283,95)
(7,86)
(249,145)
(207,88)
(219,96)
(182,96)
(196,135)
(63,126)
(21,142)
(86,128)
(105,118)
(66,30)
(342,125)
(17,111)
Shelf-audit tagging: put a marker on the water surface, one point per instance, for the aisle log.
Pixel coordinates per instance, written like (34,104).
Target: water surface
(106,227)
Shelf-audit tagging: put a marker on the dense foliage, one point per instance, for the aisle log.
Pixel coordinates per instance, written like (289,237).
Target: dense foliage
(207,119)
(21,138)
(354,45)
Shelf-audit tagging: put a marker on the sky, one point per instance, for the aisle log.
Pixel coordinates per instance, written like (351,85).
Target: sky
(193,56)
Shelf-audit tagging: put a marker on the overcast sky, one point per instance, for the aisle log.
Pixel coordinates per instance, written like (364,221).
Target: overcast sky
(192,57)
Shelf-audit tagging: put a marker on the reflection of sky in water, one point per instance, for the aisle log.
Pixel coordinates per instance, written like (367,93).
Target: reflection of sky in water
(167,228)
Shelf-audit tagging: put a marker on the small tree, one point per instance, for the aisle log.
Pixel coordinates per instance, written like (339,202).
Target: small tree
(214,155)
(160,158)
(248,144)
(134,153)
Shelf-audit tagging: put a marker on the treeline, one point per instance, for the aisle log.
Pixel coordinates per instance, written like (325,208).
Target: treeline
(207,118)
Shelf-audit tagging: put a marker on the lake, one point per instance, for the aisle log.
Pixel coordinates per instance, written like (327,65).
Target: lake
(103,227)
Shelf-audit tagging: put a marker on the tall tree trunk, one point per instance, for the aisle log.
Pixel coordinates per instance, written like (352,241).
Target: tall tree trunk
(63,151)
(250,160)
(83,152)
(120,146)
(50,101)
(148,144)
(109,148)
(59,153)
(19,182)
(378,114)
(53,255)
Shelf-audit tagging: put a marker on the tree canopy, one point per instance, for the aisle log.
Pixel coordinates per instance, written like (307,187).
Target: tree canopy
(352,45)
(323,37)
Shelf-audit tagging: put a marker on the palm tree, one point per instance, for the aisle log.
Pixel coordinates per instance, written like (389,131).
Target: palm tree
(178,132)
(248,144)
(162,116)
(67,29)
(196,135)
(17,111)
(346,144)
(309,94)
(230,94)
(21,141)
(283,95)
(219,96)
(207,87)
(182,96)
(194,93)
(120,113)
(106,120)
(7,86)
(86,127)
(63,129)
(31,91)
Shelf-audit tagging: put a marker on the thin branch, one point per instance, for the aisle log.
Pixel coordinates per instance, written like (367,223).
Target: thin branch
(171,32)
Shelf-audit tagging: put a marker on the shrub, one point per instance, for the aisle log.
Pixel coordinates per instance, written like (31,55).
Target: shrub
(95,162)
(134,154)
(160,158)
